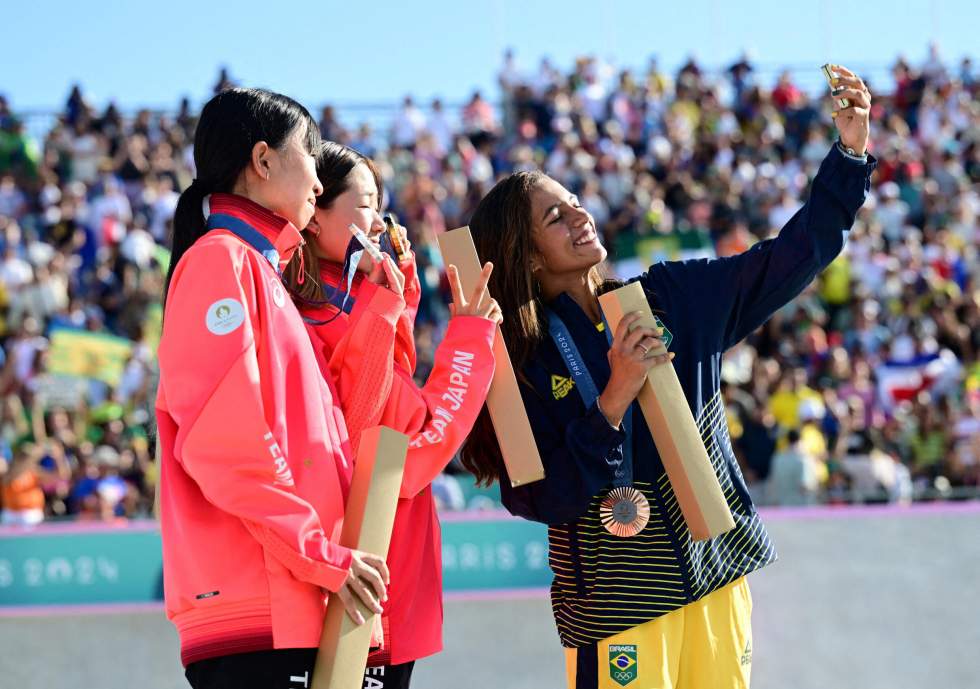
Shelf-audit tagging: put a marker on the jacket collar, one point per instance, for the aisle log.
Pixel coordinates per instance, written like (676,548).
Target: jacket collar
(282,233)
(332,274)
(571,313)
(591,342)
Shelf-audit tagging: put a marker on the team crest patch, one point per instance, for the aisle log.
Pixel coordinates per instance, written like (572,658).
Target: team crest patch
(278,293)
(561,386)
(224,316)
(668,336)
(623,664)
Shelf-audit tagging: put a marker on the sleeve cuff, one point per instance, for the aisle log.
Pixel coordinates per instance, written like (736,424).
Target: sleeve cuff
(846,178)
(473,326)
(413,288)
(332,575)
(329,573)
(850,154)
(606,436)
(379,300)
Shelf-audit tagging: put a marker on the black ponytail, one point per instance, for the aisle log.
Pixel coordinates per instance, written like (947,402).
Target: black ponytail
(229,127)
(188,225)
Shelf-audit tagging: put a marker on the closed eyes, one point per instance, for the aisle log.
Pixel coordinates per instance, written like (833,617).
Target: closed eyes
(555,214)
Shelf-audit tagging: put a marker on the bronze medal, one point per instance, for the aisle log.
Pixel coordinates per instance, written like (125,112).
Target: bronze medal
(624,511)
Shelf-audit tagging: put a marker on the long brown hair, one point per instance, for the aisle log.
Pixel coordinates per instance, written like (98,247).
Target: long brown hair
(334,163)
(502,229)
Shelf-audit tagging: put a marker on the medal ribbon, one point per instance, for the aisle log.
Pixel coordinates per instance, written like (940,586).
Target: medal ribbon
(247,234)
(340,296)
(623,468)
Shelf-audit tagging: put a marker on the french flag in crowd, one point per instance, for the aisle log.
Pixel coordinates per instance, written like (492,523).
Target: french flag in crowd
(899,381)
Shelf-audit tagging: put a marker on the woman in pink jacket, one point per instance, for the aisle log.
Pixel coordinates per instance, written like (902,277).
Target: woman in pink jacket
(254,452)
(360,317)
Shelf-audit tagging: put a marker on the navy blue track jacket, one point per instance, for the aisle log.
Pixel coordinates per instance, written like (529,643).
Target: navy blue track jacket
(604,585)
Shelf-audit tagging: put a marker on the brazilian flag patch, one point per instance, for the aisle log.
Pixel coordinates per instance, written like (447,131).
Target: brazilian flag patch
(623,663)
(668,336)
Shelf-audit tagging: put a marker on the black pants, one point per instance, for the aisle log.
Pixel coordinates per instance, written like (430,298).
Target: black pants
(288,668)
(388,676)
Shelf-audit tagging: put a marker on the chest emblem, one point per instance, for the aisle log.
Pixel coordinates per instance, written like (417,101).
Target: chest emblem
(278,293)
(668,336)
(561,386)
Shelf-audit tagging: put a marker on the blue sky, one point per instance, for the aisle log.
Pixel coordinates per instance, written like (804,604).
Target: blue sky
(151,53)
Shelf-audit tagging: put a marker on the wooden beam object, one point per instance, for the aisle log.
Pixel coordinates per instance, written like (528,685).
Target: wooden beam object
(368,521)
(504,401)
(673,428)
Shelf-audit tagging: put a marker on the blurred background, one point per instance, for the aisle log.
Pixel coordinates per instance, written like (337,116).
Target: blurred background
(694,132)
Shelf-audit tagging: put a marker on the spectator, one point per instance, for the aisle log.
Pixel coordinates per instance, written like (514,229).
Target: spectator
(441,129)
(224,81)
(478,116)
(23,497)
(330,128)
(873,474)
(408,123)
(793,476)
(693,162)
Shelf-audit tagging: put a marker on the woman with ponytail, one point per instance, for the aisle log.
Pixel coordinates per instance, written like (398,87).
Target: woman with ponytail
(360,318)
(254,453)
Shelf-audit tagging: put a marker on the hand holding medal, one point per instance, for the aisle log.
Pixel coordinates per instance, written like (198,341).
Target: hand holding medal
(384,271)
(852,107)
(398,236)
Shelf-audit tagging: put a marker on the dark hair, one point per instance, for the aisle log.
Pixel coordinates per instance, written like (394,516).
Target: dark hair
(229,127)
(502,227)
(334,163)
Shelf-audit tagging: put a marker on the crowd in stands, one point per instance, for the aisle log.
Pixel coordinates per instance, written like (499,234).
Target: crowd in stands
(864,389)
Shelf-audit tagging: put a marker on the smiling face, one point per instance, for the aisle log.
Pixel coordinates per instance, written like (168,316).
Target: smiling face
(564,235)
(359,204)
(290,185)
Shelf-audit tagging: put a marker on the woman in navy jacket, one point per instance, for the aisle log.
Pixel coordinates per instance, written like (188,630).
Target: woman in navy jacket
(609,585)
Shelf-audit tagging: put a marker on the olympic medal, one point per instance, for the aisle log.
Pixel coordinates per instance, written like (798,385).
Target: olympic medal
(397,235)
(624,512)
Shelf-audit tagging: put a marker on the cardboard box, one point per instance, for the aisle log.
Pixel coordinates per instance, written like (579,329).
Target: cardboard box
(673,428)
(368,521)
(504,401)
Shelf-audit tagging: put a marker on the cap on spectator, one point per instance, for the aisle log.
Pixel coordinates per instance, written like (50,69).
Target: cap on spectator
(810,410)
(40,254)
(888,190)
(105,455)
